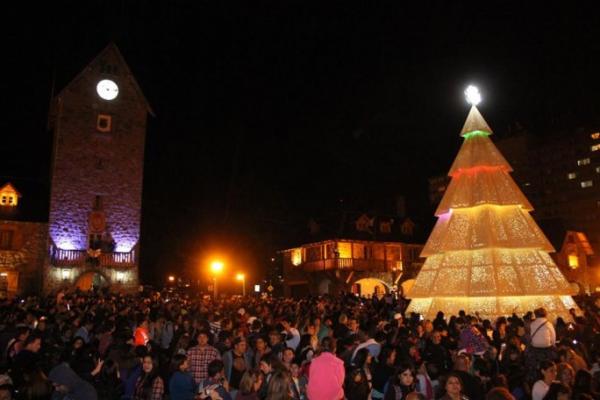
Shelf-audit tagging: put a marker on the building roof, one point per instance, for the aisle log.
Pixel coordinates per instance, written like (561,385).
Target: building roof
(34,203)
(112,48)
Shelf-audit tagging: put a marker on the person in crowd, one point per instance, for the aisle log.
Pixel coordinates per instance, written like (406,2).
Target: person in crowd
(108,382)
(401,384)
(472,387)
(542,341)
(383,370)
(453,388)
(565,374)
(149,385)
(548,373)
(279,386)
(358,377)
(326,375)
(292,336)
(141,335)
(200,356)
(181,383)
(558,391)
(250,385)
(584,385)
(499,393)
(216,380)
(237,361)
(69,386)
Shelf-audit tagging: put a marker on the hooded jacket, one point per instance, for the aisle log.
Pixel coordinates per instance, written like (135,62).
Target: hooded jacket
(78,389)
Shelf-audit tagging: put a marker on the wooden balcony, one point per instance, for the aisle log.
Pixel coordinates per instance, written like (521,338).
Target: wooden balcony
(64,258)
(352,264)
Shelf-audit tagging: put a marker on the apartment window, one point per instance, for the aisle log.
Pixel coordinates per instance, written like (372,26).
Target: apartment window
(595,135)
(598,170)
(586,184)
(104,123)
(6,239)
(595,147)
(571,175)
(583,161)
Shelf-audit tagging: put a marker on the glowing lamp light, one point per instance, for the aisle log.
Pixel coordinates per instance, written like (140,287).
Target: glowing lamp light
(216,267)
(120,276)
(472,94)
(66,274)
(240,277)
(257,288)
(171,278)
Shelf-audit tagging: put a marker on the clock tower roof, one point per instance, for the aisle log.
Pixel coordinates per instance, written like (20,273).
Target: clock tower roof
(111,52)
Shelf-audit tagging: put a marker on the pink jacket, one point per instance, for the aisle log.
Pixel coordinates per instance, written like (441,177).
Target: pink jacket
(326,378)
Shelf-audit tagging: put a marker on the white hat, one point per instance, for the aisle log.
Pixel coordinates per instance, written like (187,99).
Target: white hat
(397,316)
(241,311)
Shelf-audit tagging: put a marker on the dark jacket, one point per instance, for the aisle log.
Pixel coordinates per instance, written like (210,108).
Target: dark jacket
(78,389)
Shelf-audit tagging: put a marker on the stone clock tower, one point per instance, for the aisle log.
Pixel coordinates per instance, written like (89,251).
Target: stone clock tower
(99,126)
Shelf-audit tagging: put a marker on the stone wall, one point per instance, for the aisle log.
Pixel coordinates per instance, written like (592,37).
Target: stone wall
(88,163)
(23,263)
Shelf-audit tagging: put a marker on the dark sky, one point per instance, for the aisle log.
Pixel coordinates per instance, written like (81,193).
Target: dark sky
(268,113)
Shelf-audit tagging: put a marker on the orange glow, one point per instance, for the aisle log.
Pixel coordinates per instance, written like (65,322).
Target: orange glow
(217,267)
(573,261)
(297,257)
(171,278)
(240,277)
(479,169)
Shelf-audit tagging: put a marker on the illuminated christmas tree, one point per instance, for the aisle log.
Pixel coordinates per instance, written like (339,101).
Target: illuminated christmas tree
(486,254)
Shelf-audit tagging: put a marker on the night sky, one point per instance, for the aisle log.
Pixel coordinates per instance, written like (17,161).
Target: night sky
(269,113)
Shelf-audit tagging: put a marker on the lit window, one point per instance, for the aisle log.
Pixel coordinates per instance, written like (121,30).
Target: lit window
(586,184)
(297,257)
(4,200)
(598,170)
(104,123)
(595,147)
(573,261)
(583,161)
(571,175)
(595,135)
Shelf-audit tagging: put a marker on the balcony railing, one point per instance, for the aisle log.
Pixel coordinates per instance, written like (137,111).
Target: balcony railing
(61,257)
(355,264)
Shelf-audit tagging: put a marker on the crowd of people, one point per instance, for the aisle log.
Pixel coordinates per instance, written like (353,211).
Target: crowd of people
(165,345)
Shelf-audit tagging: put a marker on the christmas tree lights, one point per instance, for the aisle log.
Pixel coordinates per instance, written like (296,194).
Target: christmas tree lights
(486,254)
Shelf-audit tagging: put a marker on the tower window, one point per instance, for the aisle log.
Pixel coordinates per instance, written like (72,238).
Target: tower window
(104,123)
(98,203)
(571,175)
(595,147)
(586,184)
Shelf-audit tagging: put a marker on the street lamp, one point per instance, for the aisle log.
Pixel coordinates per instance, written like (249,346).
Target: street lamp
(216,267)
(171,278)
(242,278)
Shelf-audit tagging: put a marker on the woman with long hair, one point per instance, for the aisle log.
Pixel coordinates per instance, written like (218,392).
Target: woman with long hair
(279,386)
(548,374)
(358,378)
(250,385)
(149,385)
(401,383)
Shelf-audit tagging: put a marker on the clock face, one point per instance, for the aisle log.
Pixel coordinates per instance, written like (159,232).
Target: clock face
(107,89)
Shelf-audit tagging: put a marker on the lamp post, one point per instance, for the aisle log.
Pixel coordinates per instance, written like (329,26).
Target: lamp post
(242,278)
(216,267)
